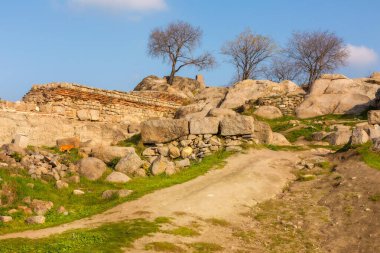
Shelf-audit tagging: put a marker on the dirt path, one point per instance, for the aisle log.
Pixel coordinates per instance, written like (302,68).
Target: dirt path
(247,179)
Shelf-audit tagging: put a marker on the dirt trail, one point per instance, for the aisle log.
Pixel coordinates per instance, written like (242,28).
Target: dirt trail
(246,179)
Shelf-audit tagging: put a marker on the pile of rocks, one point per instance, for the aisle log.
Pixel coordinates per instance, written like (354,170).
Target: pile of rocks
(357,135)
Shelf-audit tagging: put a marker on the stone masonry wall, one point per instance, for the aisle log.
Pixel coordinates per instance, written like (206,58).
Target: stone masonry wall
(287,104)
(90,104)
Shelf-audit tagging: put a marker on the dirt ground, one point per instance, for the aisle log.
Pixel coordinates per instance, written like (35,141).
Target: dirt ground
(255,204)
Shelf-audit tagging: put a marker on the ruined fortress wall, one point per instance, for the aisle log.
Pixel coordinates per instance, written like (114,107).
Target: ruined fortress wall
(45,129)
(287,104)
(91,104)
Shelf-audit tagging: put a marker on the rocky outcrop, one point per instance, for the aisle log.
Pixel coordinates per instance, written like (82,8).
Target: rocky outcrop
(183,87)
(268,112)
(242,92)
(336,94)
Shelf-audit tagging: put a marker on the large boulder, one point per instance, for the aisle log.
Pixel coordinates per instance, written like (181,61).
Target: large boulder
(336,94)
(246,90)
(268,112)
(339,138)
(130,164)
(208,125)
(280,140)
(92,168)
(236,125)
(262,132)
(359,136)
(108,153)
(163,130)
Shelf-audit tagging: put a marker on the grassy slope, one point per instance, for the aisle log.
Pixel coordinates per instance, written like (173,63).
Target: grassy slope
(370,157)
(107,238)
(90,203)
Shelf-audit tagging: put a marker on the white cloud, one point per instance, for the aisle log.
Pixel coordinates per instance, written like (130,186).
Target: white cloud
(121,5)
(361,56)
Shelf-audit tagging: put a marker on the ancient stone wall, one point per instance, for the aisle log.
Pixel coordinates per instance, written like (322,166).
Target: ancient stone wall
(90,104)
(287,104)
(44,129)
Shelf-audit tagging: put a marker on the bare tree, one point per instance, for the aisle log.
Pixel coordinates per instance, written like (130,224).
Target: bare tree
(247,51)
(282,69)
(176,44)
(316,53)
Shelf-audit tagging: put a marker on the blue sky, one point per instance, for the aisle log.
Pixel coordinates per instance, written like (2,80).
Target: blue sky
(102,43)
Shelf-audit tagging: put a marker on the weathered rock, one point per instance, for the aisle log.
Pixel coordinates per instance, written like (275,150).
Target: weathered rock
(149,152)
(359,136)
(221,112)
(61,184)
(117,177)
(93,115)
(374,117)
(174,151)
(108,194)
(11,149)
(268,112)
(134,128)
(92,168)
(376,144)
(208,125)
(236,125)
(319,136)
(215,141)
(35,220)
(73,141)
(280,140)
(186,152)
(160,165)
(338,95)
(163,130)
(262,132)
(5,219)
(374,131)
(108,153)
(129,164)
(182,163)
(41,207)
(21,140)
(78,192)
(246,90)
(339,138)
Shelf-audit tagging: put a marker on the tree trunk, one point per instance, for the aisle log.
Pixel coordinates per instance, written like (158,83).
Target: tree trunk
(171,77)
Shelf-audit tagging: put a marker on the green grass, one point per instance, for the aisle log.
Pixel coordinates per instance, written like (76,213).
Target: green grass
(107,238)
(306,132)
(218,222)
(370,157)
(285,148)
(375,197)
(66,158)
(205,247)
(164,247)
(135,142)
(182,231)
(91,202)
